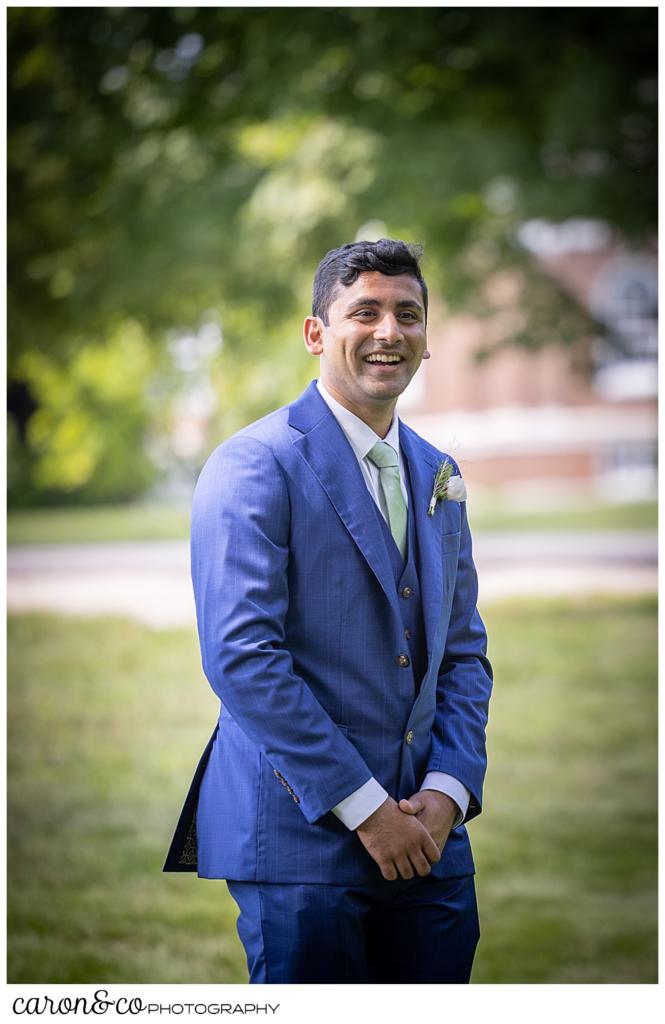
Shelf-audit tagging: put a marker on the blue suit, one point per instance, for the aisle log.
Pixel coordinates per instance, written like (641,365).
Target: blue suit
(302,638)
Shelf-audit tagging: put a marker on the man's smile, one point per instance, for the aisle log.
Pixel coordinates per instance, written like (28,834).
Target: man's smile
(384,357)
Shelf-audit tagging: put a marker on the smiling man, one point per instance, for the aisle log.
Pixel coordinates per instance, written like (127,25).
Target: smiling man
(338,626)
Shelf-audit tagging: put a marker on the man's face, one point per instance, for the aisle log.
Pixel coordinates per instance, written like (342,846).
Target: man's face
(374,340)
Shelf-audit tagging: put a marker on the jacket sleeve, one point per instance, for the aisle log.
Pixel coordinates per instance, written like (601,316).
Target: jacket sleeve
(464,684)
(240,552)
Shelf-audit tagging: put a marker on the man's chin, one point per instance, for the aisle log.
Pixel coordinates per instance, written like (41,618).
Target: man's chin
(386,390)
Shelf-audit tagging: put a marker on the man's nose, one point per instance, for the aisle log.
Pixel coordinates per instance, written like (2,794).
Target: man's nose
(388,328)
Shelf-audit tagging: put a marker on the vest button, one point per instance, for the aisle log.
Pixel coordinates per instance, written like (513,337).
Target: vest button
(403,661)
(409,737)
(406,591)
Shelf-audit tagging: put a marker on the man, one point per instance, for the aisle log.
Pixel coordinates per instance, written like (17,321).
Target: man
(338,626)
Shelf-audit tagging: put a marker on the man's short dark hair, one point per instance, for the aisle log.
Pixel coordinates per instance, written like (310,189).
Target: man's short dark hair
(388,256)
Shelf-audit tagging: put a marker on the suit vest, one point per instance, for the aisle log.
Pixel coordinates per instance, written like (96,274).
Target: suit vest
(407,586)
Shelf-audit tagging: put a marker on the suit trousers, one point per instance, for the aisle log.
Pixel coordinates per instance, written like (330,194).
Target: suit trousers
(421,930)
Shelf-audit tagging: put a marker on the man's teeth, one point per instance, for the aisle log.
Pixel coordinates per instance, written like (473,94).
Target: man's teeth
(383,359)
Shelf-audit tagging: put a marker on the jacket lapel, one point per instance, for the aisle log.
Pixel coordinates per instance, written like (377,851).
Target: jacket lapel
(332,460)
(422,470)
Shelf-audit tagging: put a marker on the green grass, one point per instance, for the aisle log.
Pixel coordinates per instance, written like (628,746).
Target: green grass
(566,851)
(107,720)
(167,522)
(494,515)
(102,523)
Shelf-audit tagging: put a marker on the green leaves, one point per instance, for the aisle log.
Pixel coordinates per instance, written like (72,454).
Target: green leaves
(441,479)
(166,161)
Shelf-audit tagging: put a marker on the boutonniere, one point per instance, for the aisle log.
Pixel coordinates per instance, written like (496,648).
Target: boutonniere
(446,487)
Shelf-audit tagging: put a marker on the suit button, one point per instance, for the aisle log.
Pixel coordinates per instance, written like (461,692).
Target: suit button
(409,737)
(407,634)
(406,591)
(403,661)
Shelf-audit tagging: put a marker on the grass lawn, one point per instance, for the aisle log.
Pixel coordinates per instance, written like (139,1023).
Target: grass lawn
(101,523)
(107,720)
(168,522)
(581,515)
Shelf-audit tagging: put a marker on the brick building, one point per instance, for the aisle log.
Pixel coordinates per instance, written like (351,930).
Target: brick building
(582,414)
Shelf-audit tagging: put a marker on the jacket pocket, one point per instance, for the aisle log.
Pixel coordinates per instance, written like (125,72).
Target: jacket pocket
(450,542)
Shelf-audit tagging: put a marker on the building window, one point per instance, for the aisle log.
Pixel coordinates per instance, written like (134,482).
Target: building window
(624,298)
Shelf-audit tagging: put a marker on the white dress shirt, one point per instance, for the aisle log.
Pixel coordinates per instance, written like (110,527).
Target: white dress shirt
(358,806)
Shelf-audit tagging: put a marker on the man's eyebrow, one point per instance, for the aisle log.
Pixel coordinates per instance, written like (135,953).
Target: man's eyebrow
(367,300)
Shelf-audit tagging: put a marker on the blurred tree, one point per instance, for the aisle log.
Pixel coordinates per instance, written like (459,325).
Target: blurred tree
(81,438)
(167,161)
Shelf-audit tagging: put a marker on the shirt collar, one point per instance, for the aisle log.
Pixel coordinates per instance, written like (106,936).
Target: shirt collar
(360,436)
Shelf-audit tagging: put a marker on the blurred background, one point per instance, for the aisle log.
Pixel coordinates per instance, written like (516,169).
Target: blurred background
(174,177)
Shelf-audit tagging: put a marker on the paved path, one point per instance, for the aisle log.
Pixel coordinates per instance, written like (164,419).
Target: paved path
(558,564)
(149,581)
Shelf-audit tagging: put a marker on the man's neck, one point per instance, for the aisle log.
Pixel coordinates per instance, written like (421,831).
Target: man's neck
(379,419)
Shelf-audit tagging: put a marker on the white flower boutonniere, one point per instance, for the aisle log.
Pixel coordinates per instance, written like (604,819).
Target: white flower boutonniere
(446,487)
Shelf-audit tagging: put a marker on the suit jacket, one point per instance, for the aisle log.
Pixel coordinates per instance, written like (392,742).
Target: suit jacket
(300,631)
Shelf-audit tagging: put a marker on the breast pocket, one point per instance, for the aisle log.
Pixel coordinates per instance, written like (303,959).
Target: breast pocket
(450,543)
(450,550)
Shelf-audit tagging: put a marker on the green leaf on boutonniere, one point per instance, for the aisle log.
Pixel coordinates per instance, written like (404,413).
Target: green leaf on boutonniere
(441,479)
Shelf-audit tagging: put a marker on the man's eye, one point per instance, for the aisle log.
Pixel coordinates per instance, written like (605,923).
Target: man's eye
(365,312)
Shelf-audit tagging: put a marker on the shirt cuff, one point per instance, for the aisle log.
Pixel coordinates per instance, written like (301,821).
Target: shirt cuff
(358,806)
(453,788)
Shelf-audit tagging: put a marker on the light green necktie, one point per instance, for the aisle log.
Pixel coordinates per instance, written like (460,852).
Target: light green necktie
(385,457)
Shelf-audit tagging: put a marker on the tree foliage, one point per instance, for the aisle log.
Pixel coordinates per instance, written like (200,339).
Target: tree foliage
(167,161)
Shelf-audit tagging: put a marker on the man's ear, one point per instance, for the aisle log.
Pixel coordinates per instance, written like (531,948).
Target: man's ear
(313,332)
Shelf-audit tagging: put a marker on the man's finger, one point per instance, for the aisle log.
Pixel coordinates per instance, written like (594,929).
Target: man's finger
(421,865)
(404,867)
(431,850)
(413,805)
(388,871)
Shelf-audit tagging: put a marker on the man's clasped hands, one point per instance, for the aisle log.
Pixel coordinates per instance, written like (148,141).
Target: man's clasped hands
(407,838)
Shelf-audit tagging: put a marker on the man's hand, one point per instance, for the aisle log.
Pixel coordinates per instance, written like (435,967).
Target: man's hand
(399,843)
(435,810)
